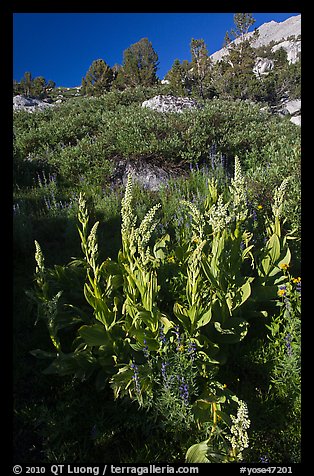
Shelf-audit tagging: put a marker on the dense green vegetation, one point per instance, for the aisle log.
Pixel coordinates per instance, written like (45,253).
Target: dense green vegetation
(63,162)
(159,326)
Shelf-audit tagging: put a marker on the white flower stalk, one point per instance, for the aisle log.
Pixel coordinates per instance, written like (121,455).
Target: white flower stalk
(238,191)
(218,215)
(148,225)
(198,222)
(92,246)
(135,240)
(239,438)
(128,217)
(279,196)
(39,257)
(145,232)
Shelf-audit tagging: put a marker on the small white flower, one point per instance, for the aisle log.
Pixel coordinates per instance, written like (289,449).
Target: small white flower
(239,439)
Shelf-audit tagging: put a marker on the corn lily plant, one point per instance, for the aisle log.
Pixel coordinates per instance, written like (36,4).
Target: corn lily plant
(122,340)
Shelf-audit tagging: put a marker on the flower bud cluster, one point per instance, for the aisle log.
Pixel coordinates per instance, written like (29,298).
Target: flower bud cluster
(239,439)
(137,239)
(218,215)
(238,191)
(279,198)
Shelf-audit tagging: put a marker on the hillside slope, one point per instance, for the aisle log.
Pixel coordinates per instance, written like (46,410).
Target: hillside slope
(274,31)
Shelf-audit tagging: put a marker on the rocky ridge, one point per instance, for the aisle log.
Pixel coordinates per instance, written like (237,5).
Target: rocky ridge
(279,32)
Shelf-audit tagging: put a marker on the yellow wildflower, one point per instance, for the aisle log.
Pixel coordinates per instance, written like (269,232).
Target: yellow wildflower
(282,291)
(284,266)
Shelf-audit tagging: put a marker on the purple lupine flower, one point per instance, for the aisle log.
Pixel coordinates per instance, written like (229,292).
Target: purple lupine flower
(288,339)
(164,366)
(177,333)
(192,350)
(136,377)
(298,287)
(145,349)
(162,335)
(223,161)
(264,459)
(183,390)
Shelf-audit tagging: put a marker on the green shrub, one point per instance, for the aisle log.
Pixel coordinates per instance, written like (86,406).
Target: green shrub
(168,360)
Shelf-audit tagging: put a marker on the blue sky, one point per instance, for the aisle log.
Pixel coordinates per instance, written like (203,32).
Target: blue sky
(62,46)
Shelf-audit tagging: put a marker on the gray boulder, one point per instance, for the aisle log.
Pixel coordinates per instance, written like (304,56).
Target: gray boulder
(296,120)
(293,106)
(262,66)
(168,103)
(23,103)
(289,107)
(148,175)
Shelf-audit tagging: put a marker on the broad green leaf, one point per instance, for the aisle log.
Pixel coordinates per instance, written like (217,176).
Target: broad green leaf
(166,322)
(82,364)
(159,247)
(89,295)
(224,416)
(193,313)
(266,264)
(41,354)
(208,273)
(182,314)
(121,382)
(147,317)
(197,453)
(231,331)
(146,338)
(201,411)
(274,248)
(243,293)
(205,356)
(136,346)
(285,260)
(264,293)
(205,318)
(94,335)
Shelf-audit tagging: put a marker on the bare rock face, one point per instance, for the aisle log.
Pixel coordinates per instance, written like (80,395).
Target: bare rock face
(263,66)
(148,175)
(293,48)
(289,107)
(21,103)
(279,32)
(168,103)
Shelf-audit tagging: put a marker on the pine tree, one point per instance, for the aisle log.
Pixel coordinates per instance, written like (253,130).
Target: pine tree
(240,49)
(26,83)
(36,87)
(98,79)
(140,64)
(201,68)
(39,86)
(239,63)
(177,77)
